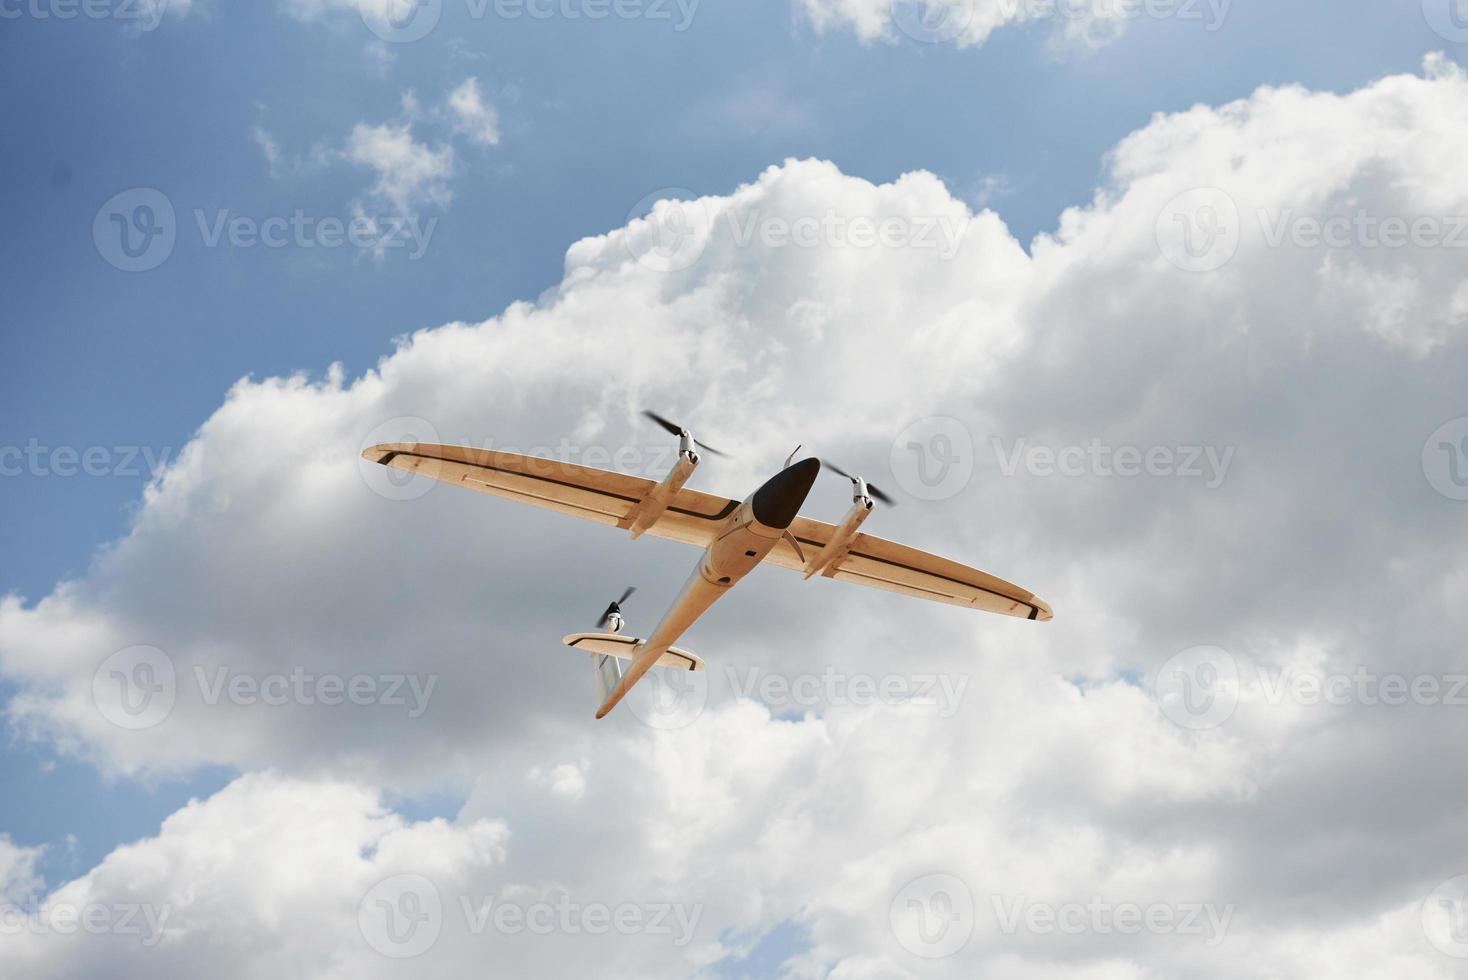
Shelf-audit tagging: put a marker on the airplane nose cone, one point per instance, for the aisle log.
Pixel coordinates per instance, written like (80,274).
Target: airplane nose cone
(778,501)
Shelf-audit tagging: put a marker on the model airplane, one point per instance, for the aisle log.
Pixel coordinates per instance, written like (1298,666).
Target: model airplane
(735,535)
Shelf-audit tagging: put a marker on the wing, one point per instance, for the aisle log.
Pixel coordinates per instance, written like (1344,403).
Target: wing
(884,564)
(697,518)
(596,495)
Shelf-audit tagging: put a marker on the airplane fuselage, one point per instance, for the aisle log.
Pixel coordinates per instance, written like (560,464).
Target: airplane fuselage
(753,529)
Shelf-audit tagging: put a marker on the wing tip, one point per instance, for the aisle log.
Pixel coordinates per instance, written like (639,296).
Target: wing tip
(1042,613)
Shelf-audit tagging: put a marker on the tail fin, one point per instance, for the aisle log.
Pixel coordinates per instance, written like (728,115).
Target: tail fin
(608,673)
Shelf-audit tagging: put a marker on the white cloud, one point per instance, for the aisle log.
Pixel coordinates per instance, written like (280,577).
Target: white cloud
(409,173)
(19,880)
(472,115)
(1056,778)
(1086,24)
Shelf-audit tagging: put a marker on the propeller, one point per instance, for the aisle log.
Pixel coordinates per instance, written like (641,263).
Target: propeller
(678,430)
(854,479)
(615,609)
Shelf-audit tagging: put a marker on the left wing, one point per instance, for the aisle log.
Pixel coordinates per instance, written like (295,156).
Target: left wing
(592,494)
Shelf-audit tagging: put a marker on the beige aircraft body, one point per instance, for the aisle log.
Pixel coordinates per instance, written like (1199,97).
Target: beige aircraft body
(736,536)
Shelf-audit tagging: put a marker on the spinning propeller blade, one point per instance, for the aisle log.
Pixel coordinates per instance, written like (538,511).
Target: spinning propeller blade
(615,608)
(678,430)
(878,494)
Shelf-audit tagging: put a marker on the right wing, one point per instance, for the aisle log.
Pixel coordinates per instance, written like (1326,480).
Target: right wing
(893,567)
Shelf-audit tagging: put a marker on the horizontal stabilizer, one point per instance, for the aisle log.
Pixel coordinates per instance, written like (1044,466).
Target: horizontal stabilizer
(625,648)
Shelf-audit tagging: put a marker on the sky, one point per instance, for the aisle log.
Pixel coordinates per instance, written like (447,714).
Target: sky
(1169,327)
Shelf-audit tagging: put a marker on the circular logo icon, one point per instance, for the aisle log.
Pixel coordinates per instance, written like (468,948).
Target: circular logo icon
(388,481)
(933,916)
(135,231)
(1448,18)
(932,21)
(667,230)
(1199,230)
(135,688)
(668,699)
(933,459)
(401,916)
(1445,917)
(401,21)
(1198,688)
(1445,459)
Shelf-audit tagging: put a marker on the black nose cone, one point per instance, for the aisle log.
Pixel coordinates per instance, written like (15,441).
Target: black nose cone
(778,501)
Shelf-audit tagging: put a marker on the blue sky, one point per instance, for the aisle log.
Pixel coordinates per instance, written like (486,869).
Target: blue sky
(594,116)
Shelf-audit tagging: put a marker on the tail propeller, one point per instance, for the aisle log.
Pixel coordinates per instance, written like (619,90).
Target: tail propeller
(615,609)
(857,481)
(678,430)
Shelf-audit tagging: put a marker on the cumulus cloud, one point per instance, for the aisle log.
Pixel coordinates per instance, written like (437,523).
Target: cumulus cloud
(1221,292)
(474,117)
